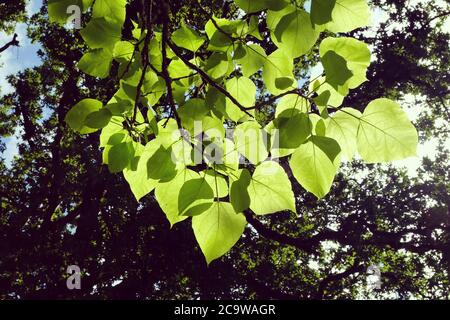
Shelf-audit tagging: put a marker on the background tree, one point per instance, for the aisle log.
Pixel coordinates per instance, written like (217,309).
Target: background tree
(60,207)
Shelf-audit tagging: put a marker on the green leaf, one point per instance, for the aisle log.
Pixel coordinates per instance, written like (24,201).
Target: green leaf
(315,163)
(274,16)
(96,63)
(320,125)
(126,92)
(321,11)
(166,195)
(270,190)
(123,51)
(110,130)
(57,9)
(154,87)
(195,197)
(178,69)
(250,140)
(343,128)
(222,155)
(76,117)
(182,154)
(120,156)
(213,127)
(98,119)
(218,229)
(294,34)
(193,110)
(277,73)
(239,197)
(187,38)
(243,90)
(252,60)
(160,165)
(136,174)
(112,9)
(356,55)
(385,133)
(253,28)
(218,65)
(326,94)
(335,66)
(293,129)
(168,132)
(217,182)
(340,15)
(275,150)
(292,102)
(119,108)
(276,4)
(101,33)
(114,139)
(221,40)
(251,6)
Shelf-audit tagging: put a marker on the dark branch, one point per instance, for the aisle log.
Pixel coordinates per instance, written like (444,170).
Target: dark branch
(145,60)
(345,236)
(13,42)
(272,99)
(165,65)
(302,244)
(355,268)
(206,78)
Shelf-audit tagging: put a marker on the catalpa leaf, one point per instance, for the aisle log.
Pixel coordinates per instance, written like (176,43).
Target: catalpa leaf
(166,194)
(195,197)
(343,128)
(270,190)
(345,61)
(294,34)
(385,133)
(187,38)
(340,15)
(315,164)
(76,117)
(218,229)
(96,63)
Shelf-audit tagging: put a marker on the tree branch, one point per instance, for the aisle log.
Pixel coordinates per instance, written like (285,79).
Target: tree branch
(214,22)
(206,78)
(306,245)
(345,236)
(165,63)
(145,60)
(355,268)
(444,14)
(13,42)
(272,99)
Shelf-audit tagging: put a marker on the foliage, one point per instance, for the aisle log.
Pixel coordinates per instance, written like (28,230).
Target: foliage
(153,63)
(61,205)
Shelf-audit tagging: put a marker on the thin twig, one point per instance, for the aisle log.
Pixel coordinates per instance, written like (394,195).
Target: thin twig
(165,64)
(272,99)
(145,60)
(206,78)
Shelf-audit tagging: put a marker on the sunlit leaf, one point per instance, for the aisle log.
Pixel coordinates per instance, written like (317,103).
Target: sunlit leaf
(218,229)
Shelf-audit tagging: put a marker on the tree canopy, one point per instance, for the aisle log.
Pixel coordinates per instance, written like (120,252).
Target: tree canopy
(164,134)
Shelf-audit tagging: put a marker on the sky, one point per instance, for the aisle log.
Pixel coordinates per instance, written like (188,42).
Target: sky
(16,59)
